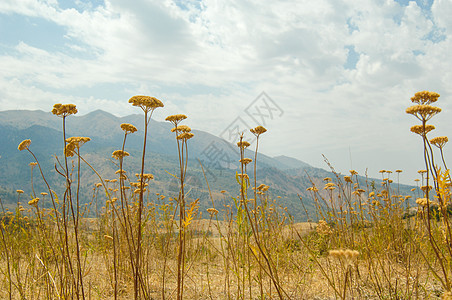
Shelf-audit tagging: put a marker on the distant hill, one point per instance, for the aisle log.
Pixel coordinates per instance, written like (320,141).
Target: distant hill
(286,176)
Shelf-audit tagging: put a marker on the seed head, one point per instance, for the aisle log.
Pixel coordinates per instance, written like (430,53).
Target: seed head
(19,191)
(258,130)
(423,112)
(425,97)
(185,136)
(64,110)
(24,145)
(439,141)
(175,119)
(146,103)
(212,211)
(243,144)
(34,202)
(128,128)
(118,154)
(246,161)
(419,129)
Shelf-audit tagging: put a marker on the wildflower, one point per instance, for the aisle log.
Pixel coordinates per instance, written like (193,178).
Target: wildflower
(98,185)
(399,171)
(371,194)
(146,103)
(24,145)
(212,211)
(118,154)
(419,129)
(185,136)
(382,171)
(73,143)
(246,161)
(348,179)
(108,237)
(120,171)
(425,188)
(64,110)
(422,171)
(245,176)
(33,164)
(353,172)
(33,202)
(44,194)
(323,228)
(439,141)
(423,112)
(326,179)
(243,144)
(181,128)
(223,191)
(425,97)
(19,191)
(424,202)
(175,118)
(128,128)
(258,130)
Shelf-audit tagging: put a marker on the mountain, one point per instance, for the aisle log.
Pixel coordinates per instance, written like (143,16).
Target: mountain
(286,176)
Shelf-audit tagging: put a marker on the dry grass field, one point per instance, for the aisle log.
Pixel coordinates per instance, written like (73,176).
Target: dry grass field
(368,241)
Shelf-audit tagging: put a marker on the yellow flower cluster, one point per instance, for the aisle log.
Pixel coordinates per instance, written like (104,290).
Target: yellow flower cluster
(146,176)
(439,141)
(181,128)
(263,188)
(24,145)
(246,160)
(146,103)
(419,129)
(73,143)
(348,179)
(423,202)
(258,130)
(212,211)
(128,128)
(423,112)
(323,228)
(425,97)
(33,202)
(175,118)
(185,136)
(243,144)
(118,154)
(19,191)
(64,110)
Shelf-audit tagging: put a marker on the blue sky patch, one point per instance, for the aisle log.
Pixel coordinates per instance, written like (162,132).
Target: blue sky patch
(352,58)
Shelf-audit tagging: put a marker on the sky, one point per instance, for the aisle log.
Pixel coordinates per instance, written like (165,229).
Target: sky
(330,77)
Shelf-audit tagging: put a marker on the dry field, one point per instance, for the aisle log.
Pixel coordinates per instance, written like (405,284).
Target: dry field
(369,242)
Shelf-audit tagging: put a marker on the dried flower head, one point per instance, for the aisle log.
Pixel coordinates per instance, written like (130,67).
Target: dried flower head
(146,103)
(33,202)
(323,228)
(181,128)
(19,191)
(419,129)
(175,119)
(348,255)
(258,130)
(353,172)
(423,112)
(422,171)
(426,188)
(64,110)
(212,211)
(73,143)
(128,128)
(246,160)
(243,144)
(425,97)
(348,179)
(424,202)
(118,154)
(24,145)
(398,171)
(44,194)
(439,141)
(185,136)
